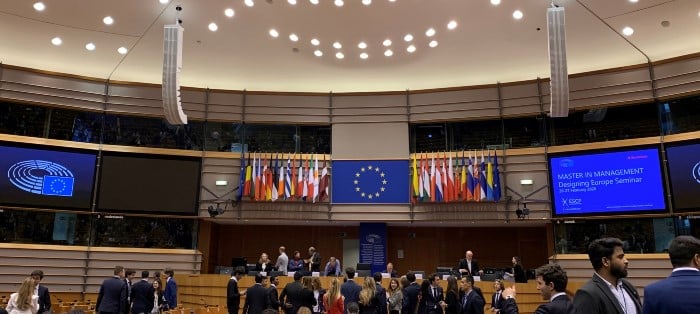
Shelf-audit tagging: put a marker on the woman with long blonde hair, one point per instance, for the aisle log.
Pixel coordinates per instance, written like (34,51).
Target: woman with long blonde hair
(24,301)
(334,301)
(368,297)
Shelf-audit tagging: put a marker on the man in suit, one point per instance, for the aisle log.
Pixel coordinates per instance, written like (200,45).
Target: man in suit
(291,297)
(142,295)
(677,293)
(42,292)
(551,282)
(468,265)
(433,299)
(381,293)
(472,302)
(111,299)
(255,297)
(410,294)
(170,292)
(349,289)
(233,296)
(128,276)
(391,271)
(282,261)
(273,301)
(607,292)
(314,260)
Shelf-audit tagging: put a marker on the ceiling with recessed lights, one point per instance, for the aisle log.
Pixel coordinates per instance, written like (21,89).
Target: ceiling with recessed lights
(340,45)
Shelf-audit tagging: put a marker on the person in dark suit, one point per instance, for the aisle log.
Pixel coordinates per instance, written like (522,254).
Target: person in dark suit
(128,276)
(452,304)
(393,273)
(111,299)
(291,296)
(497,300)
(142,295)
(551,282)
(233,295)
(607,292)
(381,294)
(677,293)
(42,292)
(468,265)
(314,260)
(472,302)
(350,290)
(273,301)
(264,264)
(170,292)
(410,294)
(435,296)
(255,297)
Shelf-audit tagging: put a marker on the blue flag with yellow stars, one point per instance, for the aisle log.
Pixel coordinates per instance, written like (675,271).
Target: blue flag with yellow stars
(370,182)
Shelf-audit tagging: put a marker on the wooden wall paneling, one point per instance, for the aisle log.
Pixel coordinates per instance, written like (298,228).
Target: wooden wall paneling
(225,106)
(520,99)
(287,108)
(369,108)
(677,78)
(194,103)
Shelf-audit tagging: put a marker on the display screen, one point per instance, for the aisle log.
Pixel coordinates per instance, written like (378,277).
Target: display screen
(149,184)
(616,182)
(34,176)
(684,172)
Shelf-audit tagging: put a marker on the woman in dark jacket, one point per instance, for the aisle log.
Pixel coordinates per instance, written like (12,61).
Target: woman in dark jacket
(452,304)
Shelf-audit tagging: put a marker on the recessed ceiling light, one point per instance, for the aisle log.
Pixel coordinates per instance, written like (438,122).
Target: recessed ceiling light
(273,32)
(388,53)
(249,3)
(634,1)
(433,44)
(314,2)
(337,45)
(229,12)
(627,31)
(452,24)
(430,32)
(318,53)
(339,3)
(164,1)
(122,50)
(293,37)
(56,41)
(108,20)
(411,48)
(339,55)
(315,42)
(392,0)
(362,45)
(364,55)
(408,37)
(39,6)
(387,42)
(366,2)
(213,27)
(292,2)
(90,46)
(517,14)
(495,2)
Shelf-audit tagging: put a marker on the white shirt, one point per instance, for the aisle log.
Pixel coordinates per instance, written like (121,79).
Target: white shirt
(623,298)
(12,305)
(674,270)
(556,295)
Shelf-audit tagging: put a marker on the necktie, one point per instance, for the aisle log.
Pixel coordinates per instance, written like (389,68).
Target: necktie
(498,296)
(435,293)
(464,301)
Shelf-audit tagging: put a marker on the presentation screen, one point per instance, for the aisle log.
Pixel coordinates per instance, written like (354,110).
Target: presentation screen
(149,184)
(684,173)
(34,176)
(601,183)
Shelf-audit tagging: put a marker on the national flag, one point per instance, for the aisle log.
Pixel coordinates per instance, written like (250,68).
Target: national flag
(445,190)
(489,179)
(482,178)
(463,186)
(288,183)
(426,179)
(477,179)
(458,182)
(241,179)
(280,182)
(450,181)
(371,182)
(305,187)
(300,179)
(414,178)
(433,177)
(275,190)
(254,190)
(323,185)
(265,182)
(316,182)
(496,179)
(470,179)
(439,192)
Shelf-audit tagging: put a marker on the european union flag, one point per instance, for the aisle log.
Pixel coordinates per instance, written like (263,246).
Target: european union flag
(58,186)
(370,181)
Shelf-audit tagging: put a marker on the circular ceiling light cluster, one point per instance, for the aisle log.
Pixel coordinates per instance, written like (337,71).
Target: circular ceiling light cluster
(39,6)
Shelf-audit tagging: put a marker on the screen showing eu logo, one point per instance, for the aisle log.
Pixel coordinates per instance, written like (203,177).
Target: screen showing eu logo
(42,177)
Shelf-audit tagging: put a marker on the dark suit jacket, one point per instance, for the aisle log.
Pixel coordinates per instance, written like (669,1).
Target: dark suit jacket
(474,304)
(170,293)
(410,298)
(497,305)
(44,299)
(674,294)
(453,303)
(112,296)
(463,265)
(142,297)
(432,303)
(233,296)
(273,301)
(351,291)
(291,294)
(596,297)
(560,305)
(307,299)
(381,299)
(255,299)
(268,267)
(509,307)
